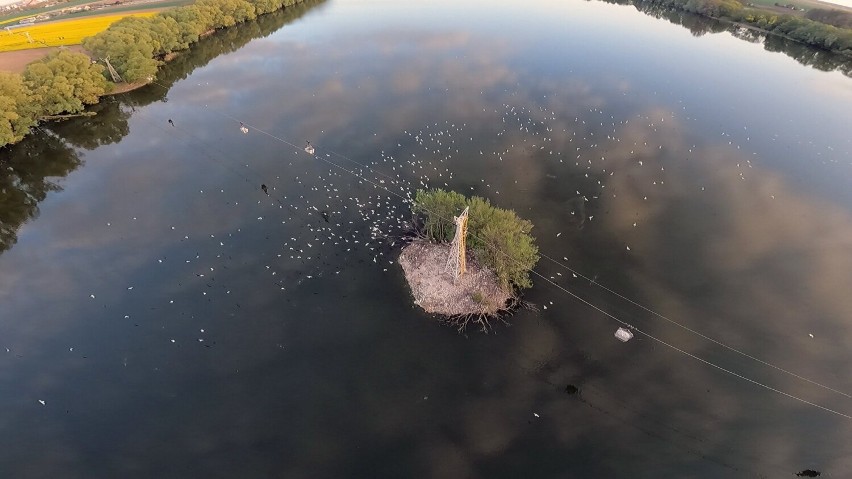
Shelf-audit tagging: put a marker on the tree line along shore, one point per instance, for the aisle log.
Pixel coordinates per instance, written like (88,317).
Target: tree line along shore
(65,82)
(826,29)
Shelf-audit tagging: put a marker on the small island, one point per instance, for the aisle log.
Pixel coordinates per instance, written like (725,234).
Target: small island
(469,261)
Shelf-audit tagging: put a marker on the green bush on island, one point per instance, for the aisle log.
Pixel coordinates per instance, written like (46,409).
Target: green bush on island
(500,239)
(17,112)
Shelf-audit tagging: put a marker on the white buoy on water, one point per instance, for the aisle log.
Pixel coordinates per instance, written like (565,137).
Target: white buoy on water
(623,335)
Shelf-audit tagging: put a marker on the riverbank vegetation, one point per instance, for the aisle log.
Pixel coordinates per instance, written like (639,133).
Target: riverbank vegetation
(65,82)
(826,31)
(837,18)
(136,46)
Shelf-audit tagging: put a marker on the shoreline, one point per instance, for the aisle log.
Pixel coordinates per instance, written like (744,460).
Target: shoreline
(120,88)
(125,87)
(679,7)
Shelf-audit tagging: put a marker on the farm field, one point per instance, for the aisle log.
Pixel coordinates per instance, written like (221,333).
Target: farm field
(59,33)
(134,7)
(98,7)
(4,19)
(16,61)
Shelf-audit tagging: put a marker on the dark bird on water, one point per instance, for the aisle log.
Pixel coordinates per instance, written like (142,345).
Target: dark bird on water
(324,215)
(808,473)
(265,189)
(171,122)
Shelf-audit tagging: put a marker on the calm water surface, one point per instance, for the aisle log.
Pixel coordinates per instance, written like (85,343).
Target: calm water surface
(176,321)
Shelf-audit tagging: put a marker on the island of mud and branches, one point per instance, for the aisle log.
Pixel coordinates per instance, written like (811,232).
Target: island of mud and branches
(500,255)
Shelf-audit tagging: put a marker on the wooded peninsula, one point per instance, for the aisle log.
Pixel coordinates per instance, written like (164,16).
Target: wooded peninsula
(66,82)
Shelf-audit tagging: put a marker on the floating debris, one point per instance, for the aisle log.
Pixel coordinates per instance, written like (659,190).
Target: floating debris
(623,335)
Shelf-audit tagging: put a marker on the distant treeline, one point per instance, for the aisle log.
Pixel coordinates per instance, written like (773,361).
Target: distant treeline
(838,18)
(65,82)
(817,30)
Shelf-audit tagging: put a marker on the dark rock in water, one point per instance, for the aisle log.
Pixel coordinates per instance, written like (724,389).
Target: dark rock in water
(571,389)
(808,473)
(324,215)
(265,189)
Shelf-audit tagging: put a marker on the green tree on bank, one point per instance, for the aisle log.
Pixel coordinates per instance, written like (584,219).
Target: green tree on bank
(136,45)
(500,239)
(17,112)
(64,82)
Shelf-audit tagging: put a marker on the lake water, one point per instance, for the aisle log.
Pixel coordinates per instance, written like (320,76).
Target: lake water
(176,321)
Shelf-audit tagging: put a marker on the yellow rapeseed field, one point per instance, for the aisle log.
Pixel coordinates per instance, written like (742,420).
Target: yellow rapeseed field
(61,32)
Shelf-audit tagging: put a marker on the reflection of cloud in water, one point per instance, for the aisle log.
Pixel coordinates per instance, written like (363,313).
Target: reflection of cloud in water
(721,240)
(487,425)
(738,253)
(728,260)
(319,109)
(445,459)
(753,234)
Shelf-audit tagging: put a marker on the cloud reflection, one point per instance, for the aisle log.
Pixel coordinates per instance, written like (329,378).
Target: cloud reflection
(297,381)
